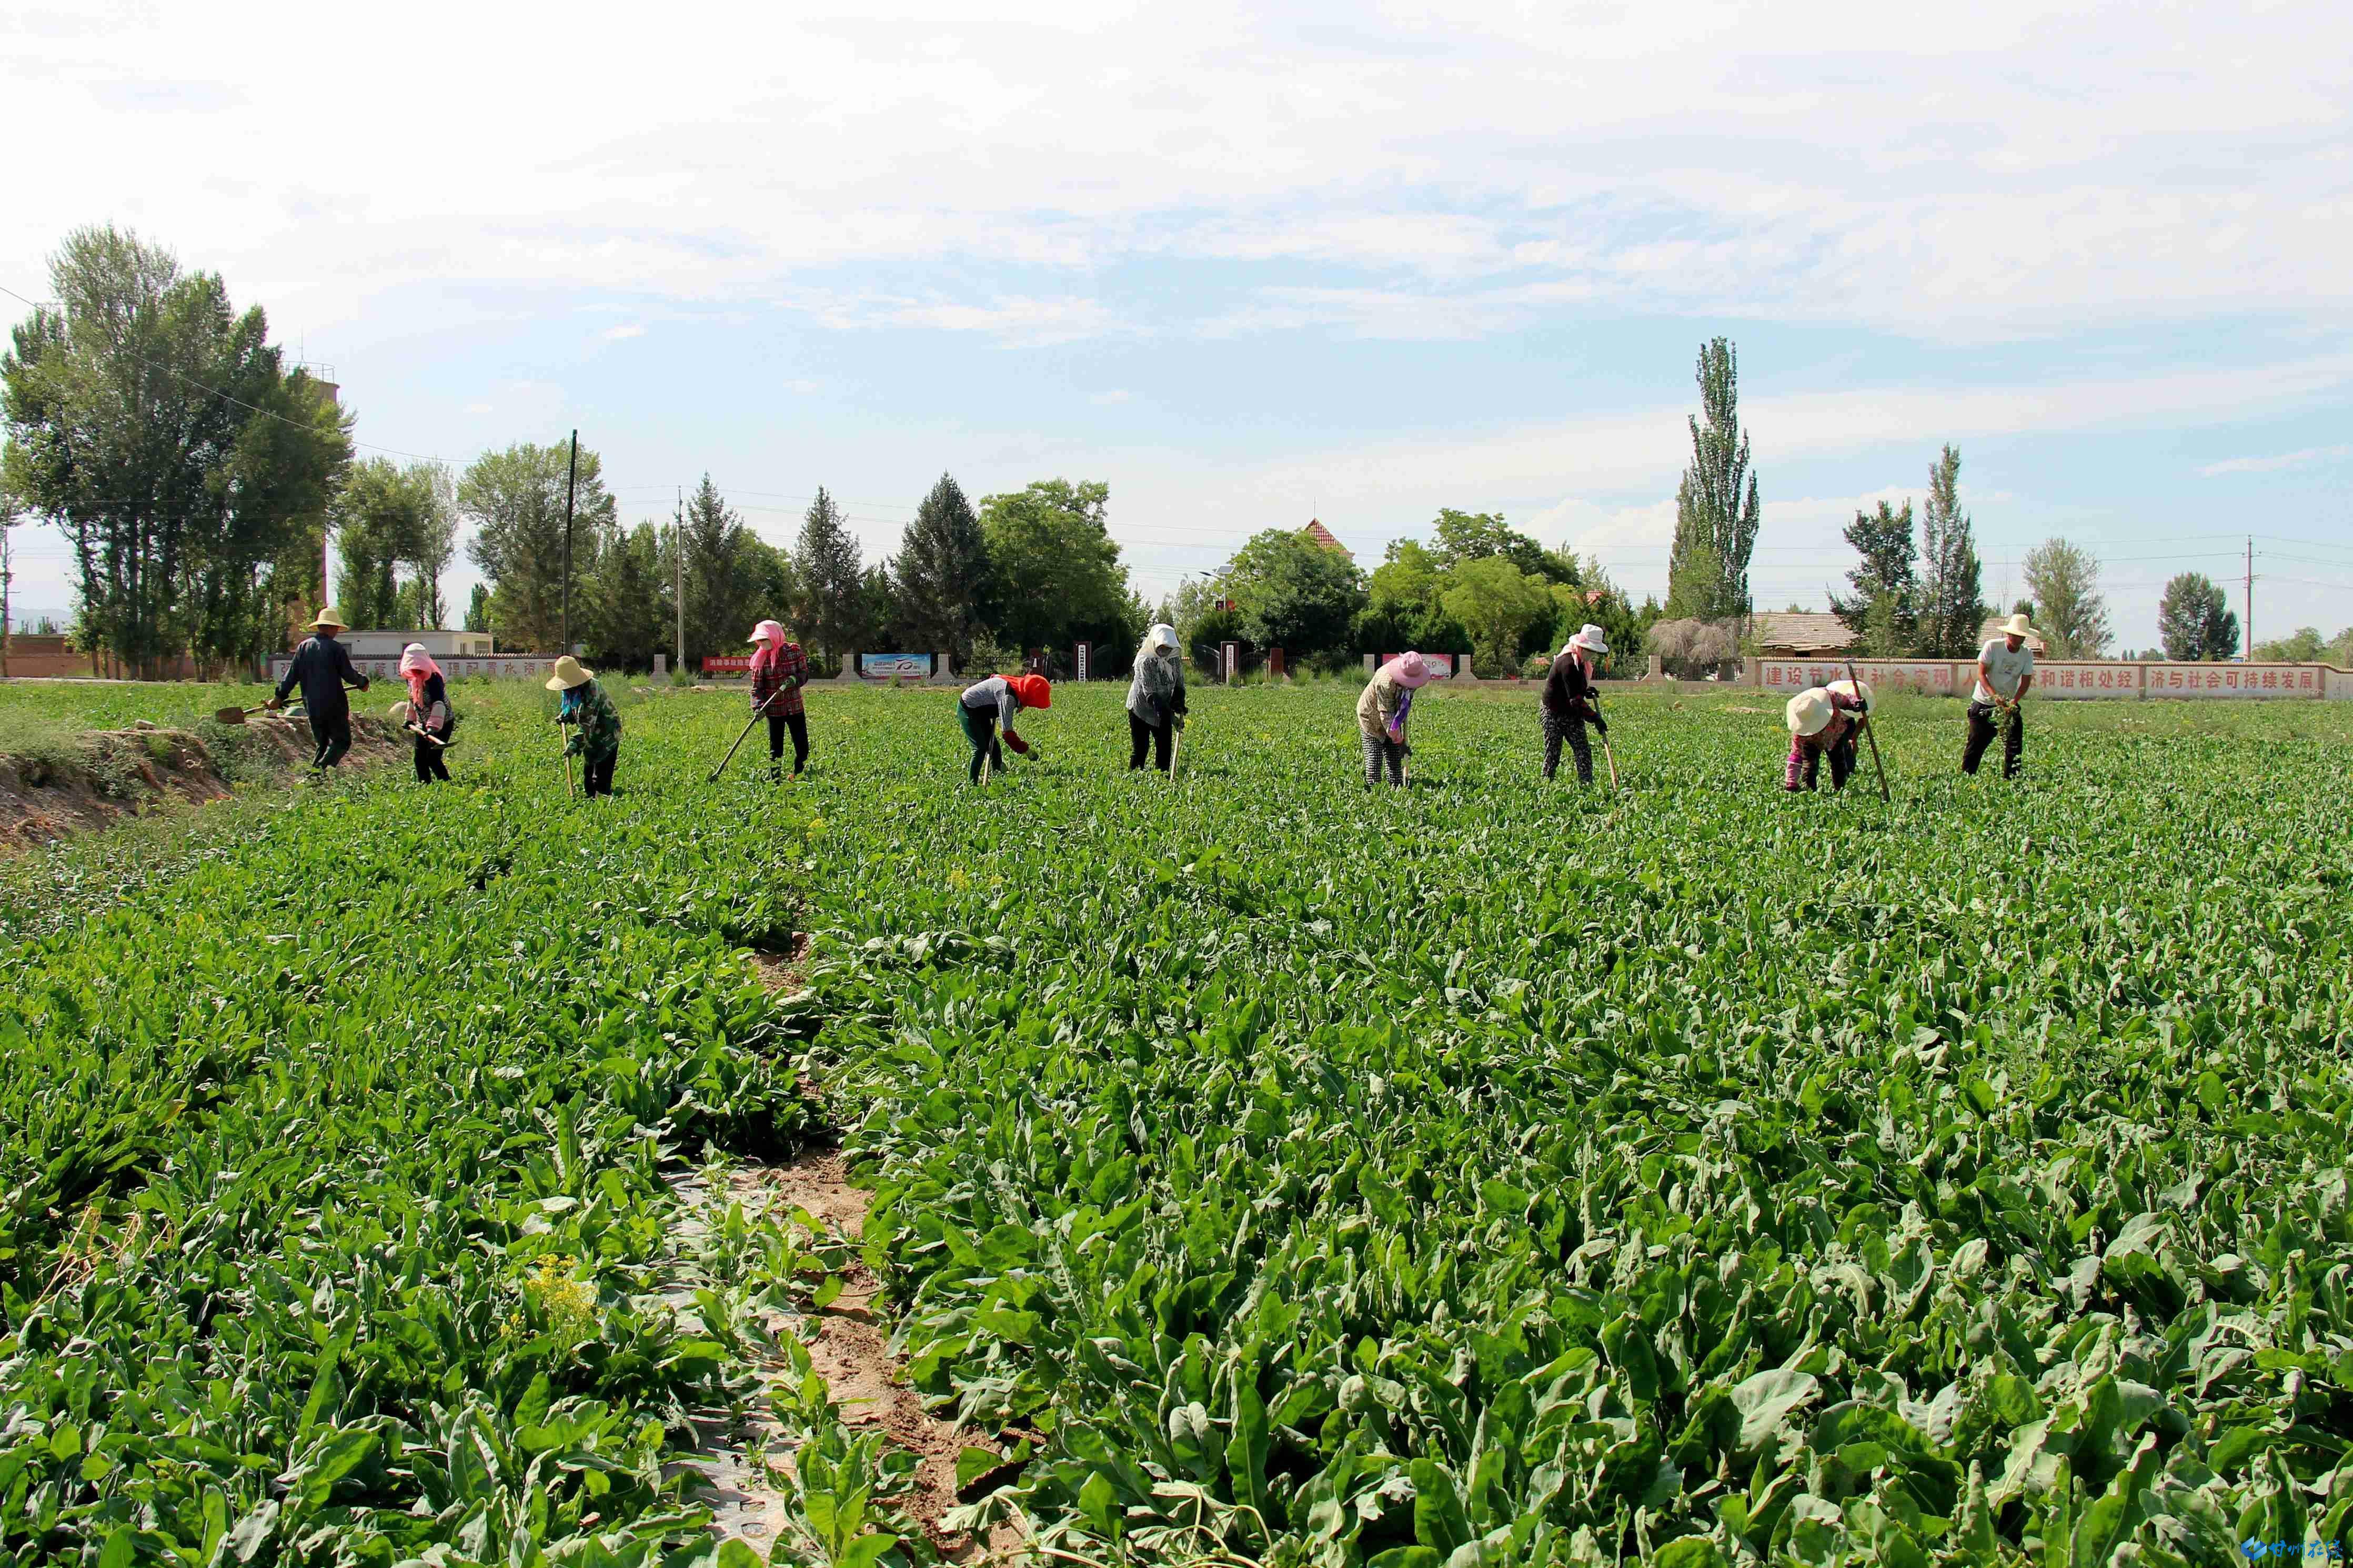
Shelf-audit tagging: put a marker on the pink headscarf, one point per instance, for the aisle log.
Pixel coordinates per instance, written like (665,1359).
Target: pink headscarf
(417,667)
(770,636)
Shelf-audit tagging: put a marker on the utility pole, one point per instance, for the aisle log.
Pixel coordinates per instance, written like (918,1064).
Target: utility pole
(2250,598)
(571,481)
(678,571)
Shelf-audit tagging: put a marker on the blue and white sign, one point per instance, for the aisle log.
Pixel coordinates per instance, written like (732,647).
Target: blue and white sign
(895,666)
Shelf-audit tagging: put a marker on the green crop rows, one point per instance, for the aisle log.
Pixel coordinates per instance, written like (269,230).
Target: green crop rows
(1477,1174)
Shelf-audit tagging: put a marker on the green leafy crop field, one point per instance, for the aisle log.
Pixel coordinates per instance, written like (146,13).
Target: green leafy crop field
(1482,1173)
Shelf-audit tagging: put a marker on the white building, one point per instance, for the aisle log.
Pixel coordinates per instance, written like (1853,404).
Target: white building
(440,645)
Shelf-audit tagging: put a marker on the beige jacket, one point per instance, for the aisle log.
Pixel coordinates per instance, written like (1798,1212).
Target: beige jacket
(1383,695)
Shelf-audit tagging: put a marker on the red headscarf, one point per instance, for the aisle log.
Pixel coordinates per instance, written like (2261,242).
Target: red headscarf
(1032,690)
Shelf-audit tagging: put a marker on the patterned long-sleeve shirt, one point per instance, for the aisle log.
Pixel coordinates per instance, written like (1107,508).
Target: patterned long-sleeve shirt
(1840,731)
(600,724)
(785,673)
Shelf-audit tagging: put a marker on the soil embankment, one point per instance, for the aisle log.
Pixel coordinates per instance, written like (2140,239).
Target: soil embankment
(112,773)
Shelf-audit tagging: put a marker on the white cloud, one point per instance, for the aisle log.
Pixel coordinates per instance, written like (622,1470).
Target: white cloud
(1805,162)
(477,408)
(2302,460)
(618,334)
(1110,399)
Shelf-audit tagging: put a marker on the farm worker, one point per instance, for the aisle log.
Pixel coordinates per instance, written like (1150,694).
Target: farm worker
(1824,721)
(1381,714)
(1571,701)
(598,738)
(2005,675)
(429,709)
(986,703)
(1156,699)
(321,666)
(779,670)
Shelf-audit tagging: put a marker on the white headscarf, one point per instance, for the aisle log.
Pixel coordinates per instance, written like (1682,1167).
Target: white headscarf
(1158,673)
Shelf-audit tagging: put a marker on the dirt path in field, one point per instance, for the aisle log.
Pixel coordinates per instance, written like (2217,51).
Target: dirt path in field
(851,1352)
(115,774)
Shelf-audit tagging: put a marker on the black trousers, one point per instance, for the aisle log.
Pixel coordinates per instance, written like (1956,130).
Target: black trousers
(1160,737)
(1981,729)
(596,772)
(430,763)
(798,724)
(1844,762)
(1569,727)
(980,729)
(332,731)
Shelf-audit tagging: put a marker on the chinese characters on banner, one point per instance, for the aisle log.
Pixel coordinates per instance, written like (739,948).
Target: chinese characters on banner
(2081,679)
(1933,675)
(726,663)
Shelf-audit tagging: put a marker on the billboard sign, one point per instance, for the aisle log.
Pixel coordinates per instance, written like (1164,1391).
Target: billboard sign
(895,666)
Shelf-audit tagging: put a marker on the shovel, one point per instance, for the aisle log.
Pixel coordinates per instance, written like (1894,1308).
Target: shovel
(233,715)
(1176,753)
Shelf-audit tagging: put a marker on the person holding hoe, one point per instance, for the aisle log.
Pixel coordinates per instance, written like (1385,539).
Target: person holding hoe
(1156,699)
(430,718)
(1381,714)
(322,667)
(2005,675)
(1570,704)
(597,739)
(1824,721)
(985,704)
(779,670)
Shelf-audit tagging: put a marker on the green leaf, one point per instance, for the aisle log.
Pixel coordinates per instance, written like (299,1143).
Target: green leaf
(1765,1401)
(1438,1521)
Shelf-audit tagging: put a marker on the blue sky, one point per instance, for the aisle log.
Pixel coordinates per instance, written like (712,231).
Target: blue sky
(1251,265)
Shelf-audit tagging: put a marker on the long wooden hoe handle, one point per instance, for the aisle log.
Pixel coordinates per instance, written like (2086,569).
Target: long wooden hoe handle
(757,714)
(1871,734)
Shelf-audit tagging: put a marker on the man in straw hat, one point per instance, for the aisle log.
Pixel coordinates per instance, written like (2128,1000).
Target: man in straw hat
(598,738)
(2005,675)
(321,666)
(1570,704)
(1824,721)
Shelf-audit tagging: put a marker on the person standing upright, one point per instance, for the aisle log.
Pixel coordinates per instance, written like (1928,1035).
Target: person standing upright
(322,667)
(779,670)
(1156,699)
(2005,675)
(1570,704)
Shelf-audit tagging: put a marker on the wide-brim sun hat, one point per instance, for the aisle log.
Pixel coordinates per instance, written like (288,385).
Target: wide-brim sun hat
(329,618)
(1591,638)
(1854,689)
(1412,670)
(568,673)
(1809,712)
(1033,689)
(769,631)
(2018,626)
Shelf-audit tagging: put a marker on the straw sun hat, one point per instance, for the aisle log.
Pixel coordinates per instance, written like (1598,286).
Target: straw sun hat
(329,618)
(1809,712)
(569,673)
(2017,626)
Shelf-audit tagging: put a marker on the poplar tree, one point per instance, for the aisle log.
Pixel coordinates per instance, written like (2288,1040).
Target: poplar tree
(1952,608)
(1716,507)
